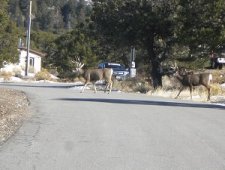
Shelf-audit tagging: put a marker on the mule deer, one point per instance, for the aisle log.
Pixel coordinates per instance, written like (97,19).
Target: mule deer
(190,79)
(94,75)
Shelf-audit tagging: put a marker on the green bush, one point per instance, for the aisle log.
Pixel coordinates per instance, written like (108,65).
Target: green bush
(68,76)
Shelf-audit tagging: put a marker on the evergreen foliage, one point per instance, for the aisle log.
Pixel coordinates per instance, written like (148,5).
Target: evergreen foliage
(166,29)
(8,36)
(147,24)
(72,46)
(48,15)
(105,30)
(201,25)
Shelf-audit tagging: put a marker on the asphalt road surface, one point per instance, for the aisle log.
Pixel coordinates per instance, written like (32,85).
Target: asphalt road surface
(69,130)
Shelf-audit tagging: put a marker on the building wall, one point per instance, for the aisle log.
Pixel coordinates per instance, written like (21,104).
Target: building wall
(35,61)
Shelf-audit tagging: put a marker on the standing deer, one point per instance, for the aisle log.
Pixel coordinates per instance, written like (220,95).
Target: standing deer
(190,79)
(94,75)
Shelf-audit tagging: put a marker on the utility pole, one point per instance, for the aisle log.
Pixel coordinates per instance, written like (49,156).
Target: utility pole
(28,41)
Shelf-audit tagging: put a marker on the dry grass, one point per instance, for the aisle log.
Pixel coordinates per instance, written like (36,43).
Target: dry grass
(199,93)
(43,75)
(216,89)
(6,75)
(132,85)
(218,76)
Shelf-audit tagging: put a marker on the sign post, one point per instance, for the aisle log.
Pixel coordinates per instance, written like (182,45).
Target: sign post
(132,66)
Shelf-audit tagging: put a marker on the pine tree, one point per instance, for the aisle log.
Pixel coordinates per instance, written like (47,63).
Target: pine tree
(8,36)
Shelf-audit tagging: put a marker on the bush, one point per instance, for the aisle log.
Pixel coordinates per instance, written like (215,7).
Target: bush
(216,89)
(68,75)
(170,83)
(43,75)
(218,76)
(132,85)
(6,75)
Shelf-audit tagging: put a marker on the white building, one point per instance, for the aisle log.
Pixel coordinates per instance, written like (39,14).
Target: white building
(34,64)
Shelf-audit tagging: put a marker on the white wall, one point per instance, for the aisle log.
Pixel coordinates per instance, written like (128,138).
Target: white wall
(36,58)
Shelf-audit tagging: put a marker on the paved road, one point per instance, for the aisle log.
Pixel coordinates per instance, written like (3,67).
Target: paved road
(68,130)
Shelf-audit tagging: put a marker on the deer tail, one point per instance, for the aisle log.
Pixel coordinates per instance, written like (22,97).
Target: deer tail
(210,78)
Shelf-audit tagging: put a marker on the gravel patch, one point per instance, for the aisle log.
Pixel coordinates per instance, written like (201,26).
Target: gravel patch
(13,110)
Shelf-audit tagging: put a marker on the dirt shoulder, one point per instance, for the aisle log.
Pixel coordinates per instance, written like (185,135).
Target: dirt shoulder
(13,110)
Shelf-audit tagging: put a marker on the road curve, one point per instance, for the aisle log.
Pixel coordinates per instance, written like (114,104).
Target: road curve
(118,131)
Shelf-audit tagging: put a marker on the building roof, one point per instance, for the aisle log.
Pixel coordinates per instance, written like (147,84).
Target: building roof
(33,51)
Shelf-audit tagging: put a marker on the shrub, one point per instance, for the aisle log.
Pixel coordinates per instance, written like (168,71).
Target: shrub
(170,83)
(216,89)
(218,76)
(17,71)
(43,75)
(68,75)
(132,85)
(6,75)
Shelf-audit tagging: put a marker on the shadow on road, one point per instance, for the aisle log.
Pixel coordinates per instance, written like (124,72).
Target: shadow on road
(144,102)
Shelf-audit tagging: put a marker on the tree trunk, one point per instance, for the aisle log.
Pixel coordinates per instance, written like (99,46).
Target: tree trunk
(156,69)
(155,63)
(156,74)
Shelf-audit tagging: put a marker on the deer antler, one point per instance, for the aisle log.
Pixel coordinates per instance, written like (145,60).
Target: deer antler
(77,62)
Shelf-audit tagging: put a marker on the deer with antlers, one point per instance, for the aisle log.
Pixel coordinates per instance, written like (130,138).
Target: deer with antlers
(94,75)
(190,79)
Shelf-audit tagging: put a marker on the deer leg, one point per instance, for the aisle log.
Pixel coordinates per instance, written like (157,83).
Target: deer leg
(94,87)
(181,89)
(83,88)
(106,87)
(208,89)
(209,93)
(110,87)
